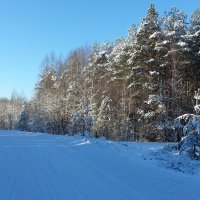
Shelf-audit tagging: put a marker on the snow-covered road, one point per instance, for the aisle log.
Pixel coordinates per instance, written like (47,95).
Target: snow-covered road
(52,167)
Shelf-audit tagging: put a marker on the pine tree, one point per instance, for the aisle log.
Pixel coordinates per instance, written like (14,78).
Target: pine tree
(104,123)
(146,71)
(195,46)
(190,143)
(23,123)
(46,101)
(177,60)
(155,124)
(96,76)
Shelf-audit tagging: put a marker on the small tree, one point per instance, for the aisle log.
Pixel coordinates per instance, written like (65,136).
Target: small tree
(154,120)
(190,143)
(23,124)
(104,120)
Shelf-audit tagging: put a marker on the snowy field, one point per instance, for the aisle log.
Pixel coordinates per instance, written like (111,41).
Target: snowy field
(52,167)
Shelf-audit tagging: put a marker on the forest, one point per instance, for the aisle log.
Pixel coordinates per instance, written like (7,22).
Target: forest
(131,89)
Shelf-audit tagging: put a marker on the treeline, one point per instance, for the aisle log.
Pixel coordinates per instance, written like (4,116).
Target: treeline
(10,111)
(131,89)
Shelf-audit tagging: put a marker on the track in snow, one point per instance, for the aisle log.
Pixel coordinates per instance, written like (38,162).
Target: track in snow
(47,167)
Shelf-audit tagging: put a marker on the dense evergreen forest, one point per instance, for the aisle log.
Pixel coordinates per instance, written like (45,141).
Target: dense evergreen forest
(130,89)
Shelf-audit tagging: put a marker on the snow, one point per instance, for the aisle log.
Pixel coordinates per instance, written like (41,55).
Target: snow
(150,61)
(153,73)
(155,35)
(165,42)
(182,44)
(46,167)
(197,33)
(182,120)
(153,98)
(171,33)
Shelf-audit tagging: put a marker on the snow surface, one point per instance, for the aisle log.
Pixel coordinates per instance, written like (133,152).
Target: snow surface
(52,167)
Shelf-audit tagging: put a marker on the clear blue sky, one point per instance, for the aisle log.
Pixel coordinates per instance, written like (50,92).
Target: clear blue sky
(31,29)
